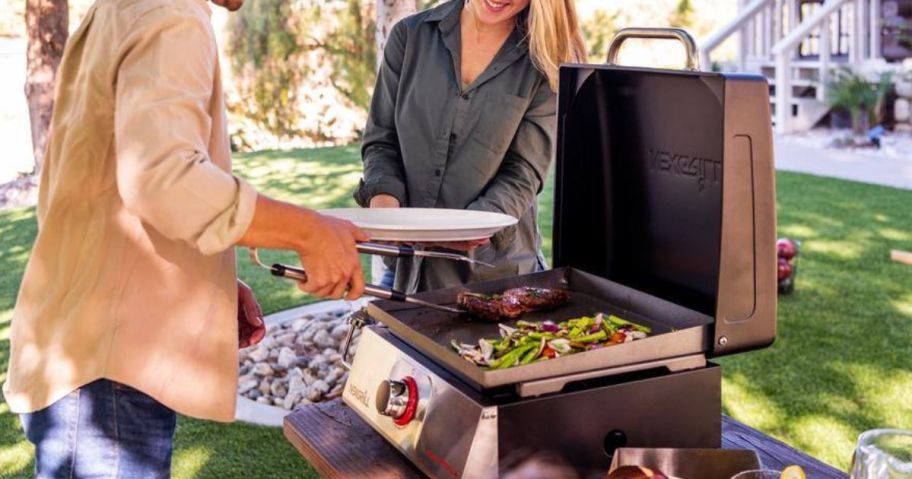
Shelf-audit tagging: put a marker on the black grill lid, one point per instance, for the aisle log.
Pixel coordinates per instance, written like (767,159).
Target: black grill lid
(665,184)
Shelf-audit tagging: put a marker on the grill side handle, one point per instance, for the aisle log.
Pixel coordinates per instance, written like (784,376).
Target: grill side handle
(681,35)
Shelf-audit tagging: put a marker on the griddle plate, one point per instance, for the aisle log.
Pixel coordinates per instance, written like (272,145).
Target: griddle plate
(677,331)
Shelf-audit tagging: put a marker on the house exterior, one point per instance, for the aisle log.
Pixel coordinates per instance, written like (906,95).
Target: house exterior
(798,43)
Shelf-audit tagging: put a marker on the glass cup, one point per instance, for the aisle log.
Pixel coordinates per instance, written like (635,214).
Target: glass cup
(758,474)
(883,454)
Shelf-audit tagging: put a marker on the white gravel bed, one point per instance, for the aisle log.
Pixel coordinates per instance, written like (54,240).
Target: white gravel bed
(298,362)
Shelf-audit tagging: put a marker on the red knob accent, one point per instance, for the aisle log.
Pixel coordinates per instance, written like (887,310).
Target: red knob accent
(411,407)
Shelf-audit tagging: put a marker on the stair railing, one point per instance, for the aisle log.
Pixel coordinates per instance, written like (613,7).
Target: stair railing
(746,17)
(784,51)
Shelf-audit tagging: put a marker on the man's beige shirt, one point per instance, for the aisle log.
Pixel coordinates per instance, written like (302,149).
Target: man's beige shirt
(133,276)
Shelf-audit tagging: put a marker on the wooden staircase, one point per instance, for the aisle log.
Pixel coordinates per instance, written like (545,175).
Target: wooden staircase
(806,100)
(773,35)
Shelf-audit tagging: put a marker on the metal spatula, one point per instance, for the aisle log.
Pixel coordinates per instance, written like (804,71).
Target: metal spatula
(299,274)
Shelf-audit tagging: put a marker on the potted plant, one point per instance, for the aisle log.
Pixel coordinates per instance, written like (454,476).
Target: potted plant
(852,92)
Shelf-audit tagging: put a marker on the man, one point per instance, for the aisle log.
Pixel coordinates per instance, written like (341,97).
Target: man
(128,308)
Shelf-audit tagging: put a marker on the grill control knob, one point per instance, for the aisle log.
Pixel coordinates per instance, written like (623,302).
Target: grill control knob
(398,400)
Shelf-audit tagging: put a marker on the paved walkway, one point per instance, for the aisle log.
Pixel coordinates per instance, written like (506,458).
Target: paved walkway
(863,166)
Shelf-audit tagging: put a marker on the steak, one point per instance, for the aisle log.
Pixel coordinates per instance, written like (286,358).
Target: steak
(512,303)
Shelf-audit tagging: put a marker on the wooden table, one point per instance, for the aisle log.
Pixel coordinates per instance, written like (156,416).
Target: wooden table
(339,444)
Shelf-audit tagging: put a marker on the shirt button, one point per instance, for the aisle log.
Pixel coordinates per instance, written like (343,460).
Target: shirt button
(465,96)
(437,172)
(453,136)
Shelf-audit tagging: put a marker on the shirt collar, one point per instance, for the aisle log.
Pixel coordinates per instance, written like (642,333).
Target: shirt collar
(447,14)
(448,17)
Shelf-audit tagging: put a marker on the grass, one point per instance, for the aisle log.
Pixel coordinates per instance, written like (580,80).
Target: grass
(840,364)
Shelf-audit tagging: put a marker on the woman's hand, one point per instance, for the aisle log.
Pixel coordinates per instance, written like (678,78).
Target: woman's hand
(463,246)
(384,201)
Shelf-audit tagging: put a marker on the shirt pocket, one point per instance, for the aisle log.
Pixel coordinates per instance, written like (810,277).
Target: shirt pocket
(501,114)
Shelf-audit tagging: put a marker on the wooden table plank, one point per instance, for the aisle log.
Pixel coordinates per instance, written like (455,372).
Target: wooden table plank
(774,454)
(339,444)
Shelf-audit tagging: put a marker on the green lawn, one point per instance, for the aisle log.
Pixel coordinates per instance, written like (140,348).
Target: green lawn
(840,364)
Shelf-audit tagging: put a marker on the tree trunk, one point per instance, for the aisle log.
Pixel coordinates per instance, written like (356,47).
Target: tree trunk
(47,26)
(388,13)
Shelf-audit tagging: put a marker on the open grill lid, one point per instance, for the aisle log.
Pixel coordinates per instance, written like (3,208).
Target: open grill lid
(665,184)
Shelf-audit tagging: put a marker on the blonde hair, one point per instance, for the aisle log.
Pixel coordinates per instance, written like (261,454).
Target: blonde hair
(553,33)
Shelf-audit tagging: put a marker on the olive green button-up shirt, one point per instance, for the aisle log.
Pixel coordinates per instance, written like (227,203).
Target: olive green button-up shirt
(432,143)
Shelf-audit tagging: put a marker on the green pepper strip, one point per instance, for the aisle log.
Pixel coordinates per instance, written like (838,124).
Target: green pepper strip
(592,338)
(608,328)
(512,357)
(541,335)
(622,322)
(531,355)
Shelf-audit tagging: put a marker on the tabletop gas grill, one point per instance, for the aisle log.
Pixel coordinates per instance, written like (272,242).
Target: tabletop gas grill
(664,216)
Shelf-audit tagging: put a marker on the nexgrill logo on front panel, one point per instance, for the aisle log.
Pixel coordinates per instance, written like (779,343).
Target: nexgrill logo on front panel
(686,166)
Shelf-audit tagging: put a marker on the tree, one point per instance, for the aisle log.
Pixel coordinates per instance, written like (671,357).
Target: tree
(47,28)
(683,15)
(388,13)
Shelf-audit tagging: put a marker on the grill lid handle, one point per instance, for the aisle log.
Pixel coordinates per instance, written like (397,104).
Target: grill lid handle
(681,35)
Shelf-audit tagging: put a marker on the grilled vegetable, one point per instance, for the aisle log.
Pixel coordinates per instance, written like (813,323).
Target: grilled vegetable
(529,342)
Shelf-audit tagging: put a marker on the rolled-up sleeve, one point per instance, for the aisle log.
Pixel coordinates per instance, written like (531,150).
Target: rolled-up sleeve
(522,174)
(384,172)
(162,131)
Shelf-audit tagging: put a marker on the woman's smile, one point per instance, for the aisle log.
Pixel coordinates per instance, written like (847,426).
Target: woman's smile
(492,12)
(495,7)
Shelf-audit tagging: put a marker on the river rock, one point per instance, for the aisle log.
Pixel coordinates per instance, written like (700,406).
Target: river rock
(317,389)
(296,385)
(278,389)
(286,359)
(259,354)
(264,387)
(323,339)
(246,383)
(308,378)
(286,339)
(338,333)
(263,369)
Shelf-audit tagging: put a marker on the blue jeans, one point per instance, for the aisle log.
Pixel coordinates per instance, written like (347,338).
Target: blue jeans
(389,277)
(103,429)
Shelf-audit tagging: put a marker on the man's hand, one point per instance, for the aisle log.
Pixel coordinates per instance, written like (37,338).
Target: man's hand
(328,254)
(325,245)
(251,327)
(463,246)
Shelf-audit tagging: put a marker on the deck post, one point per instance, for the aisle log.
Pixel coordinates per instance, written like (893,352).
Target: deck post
(875,27)
(823,75)
(783,91)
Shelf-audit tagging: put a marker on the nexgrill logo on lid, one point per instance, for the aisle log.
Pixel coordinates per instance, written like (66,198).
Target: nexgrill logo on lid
(698,168)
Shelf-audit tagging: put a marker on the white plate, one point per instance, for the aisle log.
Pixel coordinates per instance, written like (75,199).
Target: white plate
(424,224)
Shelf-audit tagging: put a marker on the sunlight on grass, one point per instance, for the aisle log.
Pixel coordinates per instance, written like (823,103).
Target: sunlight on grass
(191,461)
(15,459)
(739,399)
(895,234)
(824,435)
(835,249)
(796,231)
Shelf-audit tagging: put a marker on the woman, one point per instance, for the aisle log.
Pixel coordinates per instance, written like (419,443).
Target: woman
(463,116)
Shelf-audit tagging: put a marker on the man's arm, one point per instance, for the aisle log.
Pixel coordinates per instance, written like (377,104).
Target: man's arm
(165,176)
